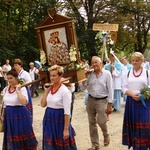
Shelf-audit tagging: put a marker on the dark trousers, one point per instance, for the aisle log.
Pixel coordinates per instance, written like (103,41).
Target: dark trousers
(2,83)
(34,89)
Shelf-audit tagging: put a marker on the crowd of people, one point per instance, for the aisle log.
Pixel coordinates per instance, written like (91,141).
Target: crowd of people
(104,87)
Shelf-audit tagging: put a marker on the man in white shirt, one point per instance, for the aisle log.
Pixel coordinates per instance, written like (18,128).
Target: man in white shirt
(6,67)
(33,74)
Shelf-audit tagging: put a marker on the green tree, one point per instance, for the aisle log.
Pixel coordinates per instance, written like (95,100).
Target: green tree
(132,17)
(85,14)
(135,21)
(17,34)
(19,17)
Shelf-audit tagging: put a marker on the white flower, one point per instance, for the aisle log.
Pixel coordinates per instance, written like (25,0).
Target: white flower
(73,59)
(42,57)
(111,42)
(72,53)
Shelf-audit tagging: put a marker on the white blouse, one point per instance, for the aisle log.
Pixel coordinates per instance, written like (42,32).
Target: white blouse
(61,99)
(11,99)
(25,75)
(135,84)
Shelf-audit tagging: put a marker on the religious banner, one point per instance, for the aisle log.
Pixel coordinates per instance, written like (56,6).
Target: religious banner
(58,45)
(56,34)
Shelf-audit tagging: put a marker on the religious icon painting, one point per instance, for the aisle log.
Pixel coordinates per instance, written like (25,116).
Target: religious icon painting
(57,46)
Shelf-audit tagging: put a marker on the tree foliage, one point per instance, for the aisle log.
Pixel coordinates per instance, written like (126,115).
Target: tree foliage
(133,18)
(17,22)
(19,17)
(137,21)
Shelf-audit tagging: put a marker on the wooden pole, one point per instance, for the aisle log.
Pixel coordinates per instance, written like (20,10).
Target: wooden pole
(38,80)
(103,49)
(29,83)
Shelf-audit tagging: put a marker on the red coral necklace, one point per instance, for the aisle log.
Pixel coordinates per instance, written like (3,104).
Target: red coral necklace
(11,91)
(52,89)
(138,74)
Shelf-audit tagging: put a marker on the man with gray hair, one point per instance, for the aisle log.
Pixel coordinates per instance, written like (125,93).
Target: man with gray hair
(99,83)
(34,73)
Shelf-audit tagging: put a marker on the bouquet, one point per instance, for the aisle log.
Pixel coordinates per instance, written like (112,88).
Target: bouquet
(42,57)
(72,53)
(146,93)
(74,63)
(43,61)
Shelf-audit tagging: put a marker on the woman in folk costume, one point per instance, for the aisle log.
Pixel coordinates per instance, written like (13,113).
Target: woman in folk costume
(116,70)
(136,124)
(18,131)
(25,77)
(57,131)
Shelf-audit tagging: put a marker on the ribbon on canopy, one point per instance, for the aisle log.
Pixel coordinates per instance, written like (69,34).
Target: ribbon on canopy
(104,37)
(142,100)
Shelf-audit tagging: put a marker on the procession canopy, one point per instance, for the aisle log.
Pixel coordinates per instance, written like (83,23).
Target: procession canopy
(56,35)
(109,36)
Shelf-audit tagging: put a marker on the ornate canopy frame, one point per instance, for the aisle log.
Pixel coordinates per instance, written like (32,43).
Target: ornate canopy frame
(55,35)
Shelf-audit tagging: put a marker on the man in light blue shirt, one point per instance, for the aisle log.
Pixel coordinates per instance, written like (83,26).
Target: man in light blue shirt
(99,85)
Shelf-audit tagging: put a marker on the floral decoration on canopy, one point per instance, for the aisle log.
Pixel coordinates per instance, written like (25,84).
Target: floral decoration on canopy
(108,38)
(42,57)
(74,63)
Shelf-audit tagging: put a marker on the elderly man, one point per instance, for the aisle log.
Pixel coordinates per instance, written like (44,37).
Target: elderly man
(34,74)
(99,83)
(6,67)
